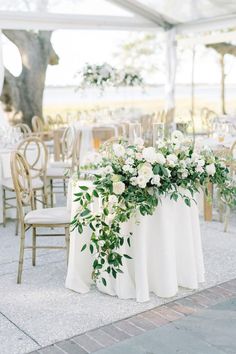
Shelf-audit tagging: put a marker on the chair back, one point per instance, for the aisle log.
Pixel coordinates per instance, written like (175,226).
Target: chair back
(37,124)
(35,153)
(22,183)
(25,129)
(68,143)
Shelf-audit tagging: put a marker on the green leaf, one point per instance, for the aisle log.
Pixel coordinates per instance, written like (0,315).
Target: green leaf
(187,202)
(127,256)
(84,188)
(106,211)
(114,273)
(128,241)
(88,197)
(83,248)
(156,170)
(104,282)
(95,193)
(85,212)
(80,228)
(91,249)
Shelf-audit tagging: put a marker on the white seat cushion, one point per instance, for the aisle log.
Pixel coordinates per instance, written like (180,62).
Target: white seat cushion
(37,183)
(60,164)
(47,216)
(57,172)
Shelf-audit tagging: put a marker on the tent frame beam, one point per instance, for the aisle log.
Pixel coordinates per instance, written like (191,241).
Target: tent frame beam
(143,11)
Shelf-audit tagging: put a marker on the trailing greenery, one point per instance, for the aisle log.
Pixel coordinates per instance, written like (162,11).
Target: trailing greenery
(134,179)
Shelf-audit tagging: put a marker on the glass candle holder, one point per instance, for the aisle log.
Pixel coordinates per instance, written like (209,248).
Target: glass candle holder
(158,130)
(135,132)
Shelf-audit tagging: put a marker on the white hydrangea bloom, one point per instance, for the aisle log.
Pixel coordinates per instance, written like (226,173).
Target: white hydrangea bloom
(145,170)
(149,154)
(112,199)
(108,170)
(156,180)
(211,169)
(141,181)
(160,158)
(118,188)
(119,150)
(172,160)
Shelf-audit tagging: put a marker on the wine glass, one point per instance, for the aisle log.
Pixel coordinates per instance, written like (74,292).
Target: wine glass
(158,130)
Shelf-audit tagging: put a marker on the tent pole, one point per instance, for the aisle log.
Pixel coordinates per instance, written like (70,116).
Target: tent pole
(171,64)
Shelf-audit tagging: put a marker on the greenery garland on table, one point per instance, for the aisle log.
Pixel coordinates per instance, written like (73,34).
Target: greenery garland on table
(133,179)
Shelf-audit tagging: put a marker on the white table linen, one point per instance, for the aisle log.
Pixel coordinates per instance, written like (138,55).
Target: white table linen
(165,247)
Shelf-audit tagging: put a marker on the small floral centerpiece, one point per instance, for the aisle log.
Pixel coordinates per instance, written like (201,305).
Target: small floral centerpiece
(105,75)
(133,179)
(130,78)
(99,76)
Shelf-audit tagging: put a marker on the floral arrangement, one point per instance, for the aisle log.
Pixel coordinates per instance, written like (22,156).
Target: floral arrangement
(134,178)
(105,75)
(98,75)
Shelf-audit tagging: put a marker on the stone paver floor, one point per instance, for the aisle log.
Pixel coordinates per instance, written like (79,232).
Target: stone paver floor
(203,323)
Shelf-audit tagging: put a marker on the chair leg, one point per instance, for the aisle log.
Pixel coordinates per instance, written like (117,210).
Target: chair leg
(51,192)
(227,215)
(17,223)
(67,239)
(21,256)
(4,206)
(64,187)
(34,246)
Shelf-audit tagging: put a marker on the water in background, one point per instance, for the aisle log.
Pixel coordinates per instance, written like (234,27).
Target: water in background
(69,95)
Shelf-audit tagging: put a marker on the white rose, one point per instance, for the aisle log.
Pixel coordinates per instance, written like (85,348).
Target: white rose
(201,163)
(210,169)
(160,158)
(149,154)
(119,150)
(177,136)
(112,199)
(156,180)
(199,169)
(118,187)
(128,168)
(133,181)
(172,160)
(130,152)
(146,171)
(139,156)
(108,170)
(129,161)
(185,174)
(141,181)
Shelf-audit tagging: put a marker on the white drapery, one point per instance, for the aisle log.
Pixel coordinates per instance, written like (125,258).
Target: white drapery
(171,65)
(3,121)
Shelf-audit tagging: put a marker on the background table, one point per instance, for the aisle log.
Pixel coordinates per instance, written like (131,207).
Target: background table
(166,250)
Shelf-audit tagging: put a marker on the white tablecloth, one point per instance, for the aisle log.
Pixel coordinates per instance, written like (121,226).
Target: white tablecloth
(166,250)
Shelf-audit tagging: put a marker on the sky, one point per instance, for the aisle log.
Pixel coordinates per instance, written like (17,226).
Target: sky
(77,47)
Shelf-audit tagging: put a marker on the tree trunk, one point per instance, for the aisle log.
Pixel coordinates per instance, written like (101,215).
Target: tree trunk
(222,65)
(25,92)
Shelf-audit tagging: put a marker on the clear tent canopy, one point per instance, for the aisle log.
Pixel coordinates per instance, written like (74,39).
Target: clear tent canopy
(172,17)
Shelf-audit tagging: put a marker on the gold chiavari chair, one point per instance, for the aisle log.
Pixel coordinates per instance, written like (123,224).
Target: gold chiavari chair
(38,126)
(25,129)
(60,170)
(232,167)
(34,219)
(35,153)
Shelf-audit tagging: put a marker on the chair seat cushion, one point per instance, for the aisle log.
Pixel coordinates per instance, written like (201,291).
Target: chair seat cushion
(60,215)
(57,172)
(60,164)
(37,183)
